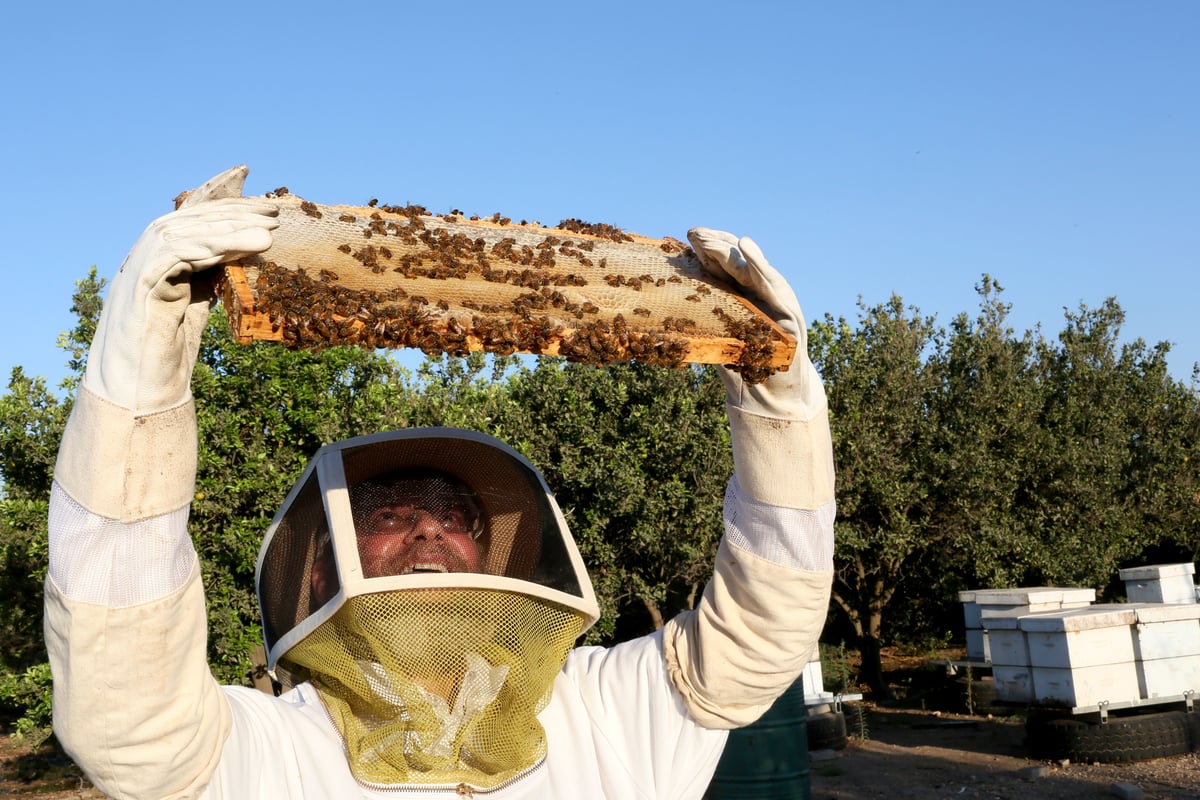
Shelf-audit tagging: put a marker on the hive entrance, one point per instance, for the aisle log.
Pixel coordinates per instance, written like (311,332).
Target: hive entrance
(390,277)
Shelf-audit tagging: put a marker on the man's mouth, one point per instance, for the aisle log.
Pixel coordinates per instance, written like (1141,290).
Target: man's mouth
(423,568)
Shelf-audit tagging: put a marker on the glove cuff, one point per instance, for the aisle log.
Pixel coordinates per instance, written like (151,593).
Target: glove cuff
(783,462)
(127,466)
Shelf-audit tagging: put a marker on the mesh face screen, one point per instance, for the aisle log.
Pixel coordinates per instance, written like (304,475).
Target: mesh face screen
(438,686)
(285,582)
(481,509)
(521,537)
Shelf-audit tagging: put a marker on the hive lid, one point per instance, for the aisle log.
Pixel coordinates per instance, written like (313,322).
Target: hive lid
(1018,596)
(1165,612)
(1011,620)
(1155,571)
(384,276)
(1108,615)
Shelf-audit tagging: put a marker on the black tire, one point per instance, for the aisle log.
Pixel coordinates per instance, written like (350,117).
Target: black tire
(1121,739)
(827,731)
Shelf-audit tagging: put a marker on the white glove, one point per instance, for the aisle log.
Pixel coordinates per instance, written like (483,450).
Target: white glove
(729,258)
(781,445)
(149,332)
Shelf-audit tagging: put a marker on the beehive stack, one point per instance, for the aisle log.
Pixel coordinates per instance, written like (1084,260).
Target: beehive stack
(386,276)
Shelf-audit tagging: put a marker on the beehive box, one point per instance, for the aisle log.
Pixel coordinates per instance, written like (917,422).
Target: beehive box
(979,646)
(390,277)
(814,679)
(1160,583)
(1006,640)
(1085,686)
(981,604)
(1082,656)
(1014,684)
(1167,649)
(1009,655)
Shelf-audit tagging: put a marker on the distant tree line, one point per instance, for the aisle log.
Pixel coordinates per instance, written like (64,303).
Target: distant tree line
(967,457)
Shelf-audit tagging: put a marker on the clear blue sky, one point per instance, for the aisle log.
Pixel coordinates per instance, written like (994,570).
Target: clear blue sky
(871,148)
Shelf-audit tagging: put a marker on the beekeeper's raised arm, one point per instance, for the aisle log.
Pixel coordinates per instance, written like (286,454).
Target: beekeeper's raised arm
(758,621)
(134,702)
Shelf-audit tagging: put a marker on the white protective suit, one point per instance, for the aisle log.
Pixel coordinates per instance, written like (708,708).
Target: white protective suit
(134,701)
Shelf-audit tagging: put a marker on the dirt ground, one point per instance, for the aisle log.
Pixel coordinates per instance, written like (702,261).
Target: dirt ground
(924,754)
(920,744)
(43,773)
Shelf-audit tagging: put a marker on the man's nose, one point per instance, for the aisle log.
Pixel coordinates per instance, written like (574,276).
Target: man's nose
(424,526)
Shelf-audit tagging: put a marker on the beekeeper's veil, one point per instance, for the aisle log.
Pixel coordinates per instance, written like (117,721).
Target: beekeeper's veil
(432,678)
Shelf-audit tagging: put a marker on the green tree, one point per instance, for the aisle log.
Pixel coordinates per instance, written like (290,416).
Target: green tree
(983,433)
(1112,473)
(881,389)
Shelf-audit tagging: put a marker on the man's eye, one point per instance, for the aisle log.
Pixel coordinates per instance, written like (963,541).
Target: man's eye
(454,518)
(392,517)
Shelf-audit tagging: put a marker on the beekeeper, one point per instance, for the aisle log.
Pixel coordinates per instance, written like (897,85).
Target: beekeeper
(420,592)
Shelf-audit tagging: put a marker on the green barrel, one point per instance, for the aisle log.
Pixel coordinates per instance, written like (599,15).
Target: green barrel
(768,759)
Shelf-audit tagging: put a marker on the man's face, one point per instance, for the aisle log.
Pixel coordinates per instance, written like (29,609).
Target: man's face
(409,535)
(408,525)
(415,525)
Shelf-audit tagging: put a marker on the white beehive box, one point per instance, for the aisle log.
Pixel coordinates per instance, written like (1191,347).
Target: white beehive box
(978,646)
(977,643)
(1009,644)
(814,680)
(1082,656)
(1006,641)
(1160,583)
(970,608)
(1167,649)
(1013,684)
(980,605)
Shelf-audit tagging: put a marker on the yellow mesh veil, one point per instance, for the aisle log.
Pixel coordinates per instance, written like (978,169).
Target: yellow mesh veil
(435,686)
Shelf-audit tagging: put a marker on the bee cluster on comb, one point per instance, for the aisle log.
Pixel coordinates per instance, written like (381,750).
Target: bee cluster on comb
(382,276)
